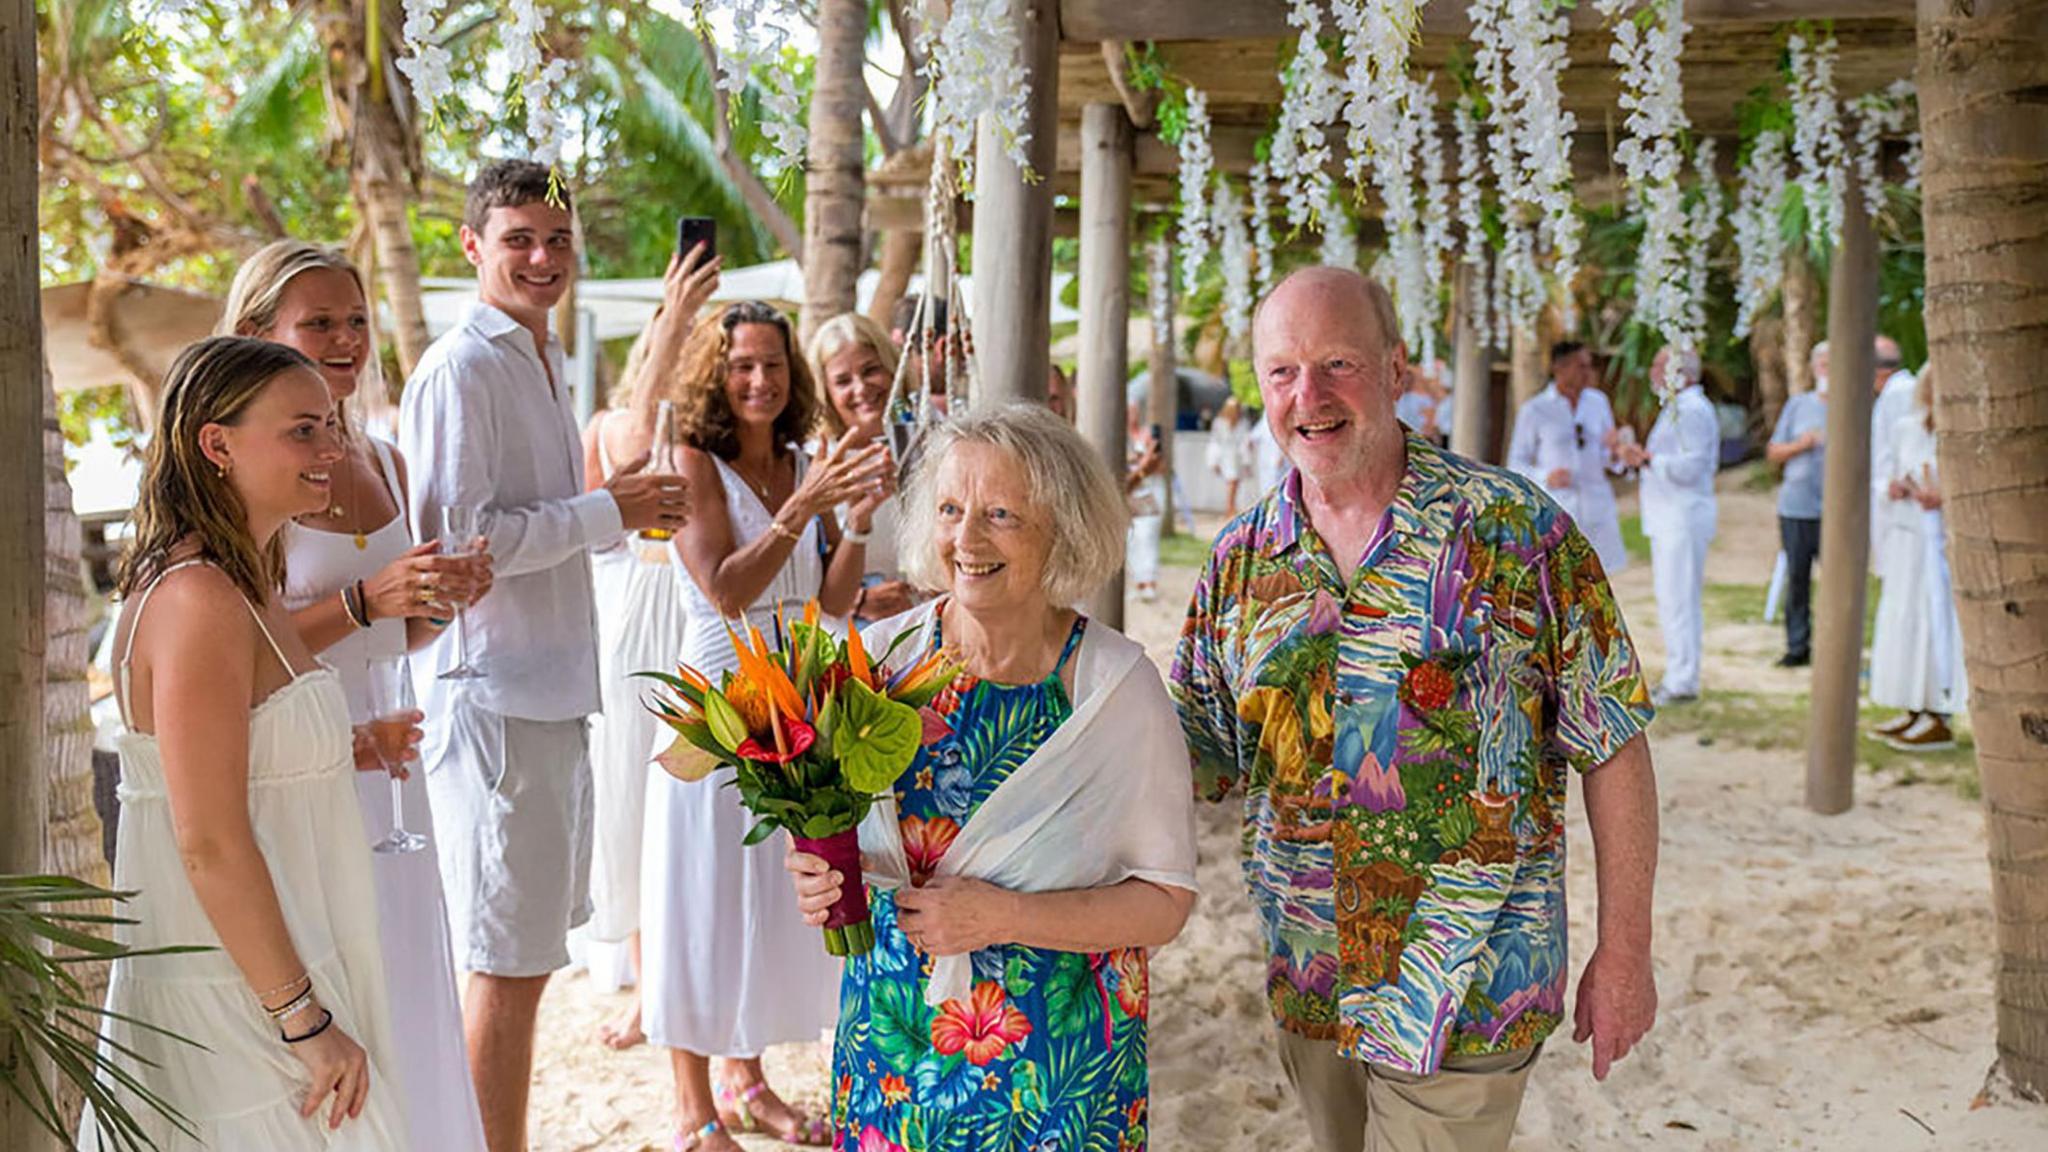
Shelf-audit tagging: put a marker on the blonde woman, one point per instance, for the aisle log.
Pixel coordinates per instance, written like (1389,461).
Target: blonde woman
(854,364)
(360,590)
(239,829)
(639,627)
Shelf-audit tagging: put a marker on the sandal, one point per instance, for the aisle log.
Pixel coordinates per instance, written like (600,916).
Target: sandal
(689,1142)
(810,1131)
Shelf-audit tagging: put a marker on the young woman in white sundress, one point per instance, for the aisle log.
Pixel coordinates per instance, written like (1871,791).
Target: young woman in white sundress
(731,968)
(360,590)
(638,587)
(239,827)
(855,366)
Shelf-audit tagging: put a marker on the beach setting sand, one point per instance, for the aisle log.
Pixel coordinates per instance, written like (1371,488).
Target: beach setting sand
(1825,981)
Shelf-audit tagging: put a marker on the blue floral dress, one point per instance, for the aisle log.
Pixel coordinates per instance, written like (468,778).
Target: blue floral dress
(1048,1054)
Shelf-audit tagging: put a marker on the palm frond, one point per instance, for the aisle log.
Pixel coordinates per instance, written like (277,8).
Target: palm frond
(281,101)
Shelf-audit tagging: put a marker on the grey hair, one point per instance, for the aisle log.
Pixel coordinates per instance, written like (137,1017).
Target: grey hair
(1819,353)
(1068,483)
(1682,363)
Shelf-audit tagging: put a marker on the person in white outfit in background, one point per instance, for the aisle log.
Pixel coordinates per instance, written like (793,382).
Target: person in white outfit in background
(640,618)
(1564,440)
(1678,463)
(487,424)
(1916,662)
(1896,392)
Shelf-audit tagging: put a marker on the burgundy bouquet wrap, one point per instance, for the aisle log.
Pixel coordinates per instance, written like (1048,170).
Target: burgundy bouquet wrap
(848,931)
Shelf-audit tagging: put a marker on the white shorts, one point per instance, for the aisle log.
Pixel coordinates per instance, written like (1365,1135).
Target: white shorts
(512,814)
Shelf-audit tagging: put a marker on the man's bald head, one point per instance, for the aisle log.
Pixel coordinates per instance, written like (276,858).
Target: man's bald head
(1888,358)
(1326,290)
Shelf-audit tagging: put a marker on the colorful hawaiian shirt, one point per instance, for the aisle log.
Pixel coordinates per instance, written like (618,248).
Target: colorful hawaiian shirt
(1047,1054)
(1399,741)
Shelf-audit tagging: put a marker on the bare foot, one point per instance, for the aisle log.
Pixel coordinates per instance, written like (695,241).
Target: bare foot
(623,1031)
(755,1107)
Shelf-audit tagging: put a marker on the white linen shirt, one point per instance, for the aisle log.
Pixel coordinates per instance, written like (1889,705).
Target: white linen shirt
(481,425)
(1685,450)
(1551,433)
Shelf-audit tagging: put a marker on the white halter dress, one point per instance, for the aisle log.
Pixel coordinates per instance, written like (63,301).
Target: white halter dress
(729,966)
(433,1064)
(640,615)
(241,1090)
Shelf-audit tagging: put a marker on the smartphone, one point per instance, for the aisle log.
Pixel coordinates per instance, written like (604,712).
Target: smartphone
(694,230)
(1158,434)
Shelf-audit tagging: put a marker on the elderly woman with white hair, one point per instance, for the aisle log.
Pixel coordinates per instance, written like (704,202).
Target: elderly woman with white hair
(1033,852)
(1678,462)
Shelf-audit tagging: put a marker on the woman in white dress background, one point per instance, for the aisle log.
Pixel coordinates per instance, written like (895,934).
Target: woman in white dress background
(1916,660)
(731,968)
(360,590)
(1229,450)
(1145,493)
(240,832)
(638,587)
(854,364)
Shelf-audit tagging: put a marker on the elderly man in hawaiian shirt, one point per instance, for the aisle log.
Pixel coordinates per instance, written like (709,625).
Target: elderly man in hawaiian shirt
(1395,656)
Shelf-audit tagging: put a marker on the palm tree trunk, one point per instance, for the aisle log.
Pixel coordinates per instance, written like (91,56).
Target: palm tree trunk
(834,185)
(1801,317)
(72,845)
(1981,70)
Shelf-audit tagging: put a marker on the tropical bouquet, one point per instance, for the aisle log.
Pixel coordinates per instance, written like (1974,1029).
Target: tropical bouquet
(814,730)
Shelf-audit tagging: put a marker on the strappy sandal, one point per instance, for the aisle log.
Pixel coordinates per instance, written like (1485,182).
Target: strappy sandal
(736,1111)
(688,1141)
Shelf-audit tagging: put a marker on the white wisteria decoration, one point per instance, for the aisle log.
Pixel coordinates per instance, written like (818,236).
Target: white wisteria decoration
(1234,245)
(1262,230)
(544,125)
(760,31)
(1159,292)
(1311,100)
(426,61)
(1196,163)
(1436,212)
(1519,55)
(1471,214)
(1647,45)
(1340,243)
(1759,243)
(1877,115)
(1377,35)
(975,67)
(1703,226)
(1817,138)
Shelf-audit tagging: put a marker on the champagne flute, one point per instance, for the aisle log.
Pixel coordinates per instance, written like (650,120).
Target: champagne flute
(458,536)
(391,706)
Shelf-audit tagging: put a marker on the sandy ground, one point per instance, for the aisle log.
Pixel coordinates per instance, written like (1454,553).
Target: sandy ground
(1825,981)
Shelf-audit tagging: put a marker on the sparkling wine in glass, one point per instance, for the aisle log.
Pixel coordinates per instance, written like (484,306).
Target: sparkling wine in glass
(391,706)
(458,537)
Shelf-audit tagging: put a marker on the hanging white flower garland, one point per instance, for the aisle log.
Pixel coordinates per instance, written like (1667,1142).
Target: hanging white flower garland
(1877,115)
(1759,244)
(1471,214)
(1436,215)
(1647,45)
(1340,243)
(1702,228)
(1262,231)
(1817,138)
(975,66)
(760,32)
(1524,41)
(1234,244)
(1301,151)
(426,62)
(1197,161)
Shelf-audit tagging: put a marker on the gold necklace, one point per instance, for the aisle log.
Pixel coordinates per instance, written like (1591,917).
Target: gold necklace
(760,488)
(336,512)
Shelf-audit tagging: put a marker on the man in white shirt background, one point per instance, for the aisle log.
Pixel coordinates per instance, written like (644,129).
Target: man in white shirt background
(1564,440)
(1678,463)
(488,424)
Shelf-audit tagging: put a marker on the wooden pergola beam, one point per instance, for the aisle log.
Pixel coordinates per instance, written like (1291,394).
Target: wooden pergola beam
(1264,19)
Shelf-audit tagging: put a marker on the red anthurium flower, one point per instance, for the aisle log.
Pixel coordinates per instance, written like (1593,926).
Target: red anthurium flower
(982,1029)
(797,736)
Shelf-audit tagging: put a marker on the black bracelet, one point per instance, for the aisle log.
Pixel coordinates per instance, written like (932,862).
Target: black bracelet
(326,1021)
(363,603)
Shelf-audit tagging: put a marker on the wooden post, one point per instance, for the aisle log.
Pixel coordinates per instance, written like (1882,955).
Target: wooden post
(1470,374)
(1013,228)
(23,801)
(1162,400)
(1845,516)
(1107,145)
(835,179)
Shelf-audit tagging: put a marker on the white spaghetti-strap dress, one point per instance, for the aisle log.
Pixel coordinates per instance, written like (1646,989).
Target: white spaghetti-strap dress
(640,617)
(729,966)
(241,1090)
(433,1064)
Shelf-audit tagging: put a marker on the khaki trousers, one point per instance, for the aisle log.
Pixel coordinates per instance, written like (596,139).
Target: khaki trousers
(1468,1106)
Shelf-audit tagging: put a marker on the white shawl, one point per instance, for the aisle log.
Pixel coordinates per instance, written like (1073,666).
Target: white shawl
(1106,798)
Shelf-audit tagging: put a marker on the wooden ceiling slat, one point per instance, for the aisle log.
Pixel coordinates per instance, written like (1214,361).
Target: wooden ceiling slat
(1094,20)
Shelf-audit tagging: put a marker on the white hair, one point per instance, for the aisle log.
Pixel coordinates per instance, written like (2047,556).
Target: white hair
(1681,367)
(1813,358)
(1067,481)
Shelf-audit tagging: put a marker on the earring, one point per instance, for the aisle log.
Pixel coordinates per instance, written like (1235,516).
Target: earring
(221,470)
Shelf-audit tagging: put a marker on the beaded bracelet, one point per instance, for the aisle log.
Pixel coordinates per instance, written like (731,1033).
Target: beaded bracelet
(326,1021)
(292,1007)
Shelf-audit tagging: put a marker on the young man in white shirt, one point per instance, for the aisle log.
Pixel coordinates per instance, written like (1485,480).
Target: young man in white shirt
(487,423)
(1678,464)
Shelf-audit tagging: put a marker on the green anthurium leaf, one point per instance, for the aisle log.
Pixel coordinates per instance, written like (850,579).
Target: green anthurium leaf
(824,824)
(875,738)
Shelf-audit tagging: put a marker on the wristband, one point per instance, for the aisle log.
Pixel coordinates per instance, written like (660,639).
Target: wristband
(326,1021)
(349,607)
(294,1006)
(363,603)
